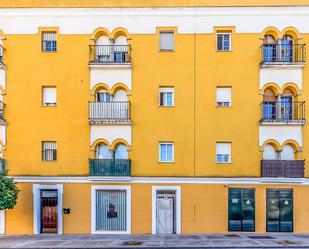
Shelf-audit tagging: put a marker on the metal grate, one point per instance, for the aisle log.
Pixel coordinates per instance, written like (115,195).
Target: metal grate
(49,151)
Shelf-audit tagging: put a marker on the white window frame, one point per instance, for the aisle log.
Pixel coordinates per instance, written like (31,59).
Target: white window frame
(173,150)
(160,44)
(230,41)
(166,90)
(43,97)
(230,100)
(37,206)
(177,190)
(93,208)
(230,154)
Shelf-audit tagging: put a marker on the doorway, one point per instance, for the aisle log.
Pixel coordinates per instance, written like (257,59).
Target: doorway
(166,212)
(49,211)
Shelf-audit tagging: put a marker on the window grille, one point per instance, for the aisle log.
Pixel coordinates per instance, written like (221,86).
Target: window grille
(49,151)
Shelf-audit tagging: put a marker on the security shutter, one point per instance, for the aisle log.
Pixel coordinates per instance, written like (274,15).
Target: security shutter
(224,96)
(166,40)
(49,95)
(111,210)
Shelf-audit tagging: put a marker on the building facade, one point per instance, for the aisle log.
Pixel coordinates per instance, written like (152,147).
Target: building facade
(157,117)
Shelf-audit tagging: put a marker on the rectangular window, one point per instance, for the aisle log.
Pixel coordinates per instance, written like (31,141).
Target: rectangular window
(49,41)
(223,41)
(111,210)
(49,151)
(223,152)
(166,96)
(279,210)
(224,96)
(49,96)
(167,40)
(166,152)
(242,209)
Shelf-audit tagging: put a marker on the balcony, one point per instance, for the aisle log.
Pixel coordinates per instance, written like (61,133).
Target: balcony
(283,113)
(109,54)
(283,54)
(116,112)
(110,167)
(2,165)
(283,168)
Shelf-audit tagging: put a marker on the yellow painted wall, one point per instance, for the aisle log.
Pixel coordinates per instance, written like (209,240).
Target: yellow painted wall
(147,3)
(204,208)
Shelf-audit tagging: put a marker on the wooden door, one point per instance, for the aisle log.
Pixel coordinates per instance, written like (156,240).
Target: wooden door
(49,211)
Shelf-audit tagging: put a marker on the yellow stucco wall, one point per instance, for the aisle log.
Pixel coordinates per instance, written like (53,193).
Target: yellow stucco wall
(204,208)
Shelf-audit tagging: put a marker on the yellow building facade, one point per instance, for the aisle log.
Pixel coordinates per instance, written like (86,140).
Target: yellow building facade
(155,116)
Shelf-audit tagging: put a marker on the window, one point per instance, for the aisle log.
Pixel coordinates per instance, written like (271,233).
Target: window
(166,40)
(49,96)
(242,209)
(166,152)
(223,42)
(223,152)
(224,96)
(279,210)
(166,96)
(103,96)
(49,151)
(49,42)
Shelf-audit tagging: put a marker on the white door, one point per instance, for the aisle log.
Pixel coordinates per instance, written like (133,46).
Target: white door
(2,221)
(165,212)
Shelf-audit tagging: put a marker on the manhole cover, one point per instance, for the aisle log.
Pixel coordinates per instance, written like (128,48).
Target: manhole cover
(260,237)
(232,235)
(132,243)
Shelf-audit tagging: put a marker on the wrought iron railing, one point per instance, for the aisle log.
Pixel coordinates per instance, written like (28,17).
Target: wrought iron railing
(109,167)
(283,168)
(115,111)
(109,54)
(288,112)
(283,53)
(2,165)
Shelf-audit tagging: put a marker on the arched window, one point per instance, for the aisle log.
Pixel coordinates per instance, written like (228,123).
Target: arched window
(269,48)
(103,50)
(121,49)
(270,153)
(121,40)
(103,96)
(287,105)
(121,152)
(287,153)
(269,105)
(103,152)
(287,48)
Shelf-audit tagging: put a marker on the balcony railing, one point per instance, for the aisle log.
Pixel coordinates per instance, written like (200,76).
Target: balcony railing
(109,54)
(2,165)
(1,54)
(109,167)
(287,112)
(109,112)
(283,168)
(283,53)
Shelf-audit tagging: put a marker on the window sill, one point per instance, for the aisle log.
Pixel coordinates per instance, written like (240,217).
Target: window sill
(43,51)
(49,161)
(224,163)
(166,50)
(218,106)
(224,51)
(172,162)
(48,105)
(164,106)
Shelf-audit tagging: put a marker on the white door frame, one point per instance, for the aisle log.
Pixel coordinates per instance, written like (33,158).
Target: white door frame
(37,206)
(93,208)
(177,190)
(2,221)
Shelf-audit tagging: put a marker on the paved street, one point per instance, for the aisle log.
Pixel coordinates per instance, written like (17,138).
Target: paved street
(158,241)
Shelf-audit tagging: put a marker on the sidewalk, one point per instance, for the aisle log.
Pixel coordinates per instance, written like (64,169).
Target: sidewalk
(158,241)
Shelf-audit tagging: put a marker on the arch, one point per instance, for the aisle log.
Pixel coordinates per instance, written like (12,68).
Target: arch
(119,141)
(272,142)
(100,86)
(293,143)
(287,153)
(119,32)
(119,86)
(292,32)
(271,31)
(99,32)
(293,87)
(273,86)
(100,141)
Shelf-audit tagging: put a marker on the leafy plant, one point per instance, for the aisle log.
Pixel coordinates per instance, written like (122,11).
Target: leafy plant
(8,191)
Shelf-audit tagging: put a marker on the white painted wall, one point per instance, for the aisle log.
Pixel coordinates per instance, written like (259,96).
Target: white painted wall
(2,221)
(280,134)
(111,76)
(145,20)
(280,76)
(287,153)
(111,133)
(270,153)
(3,77)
